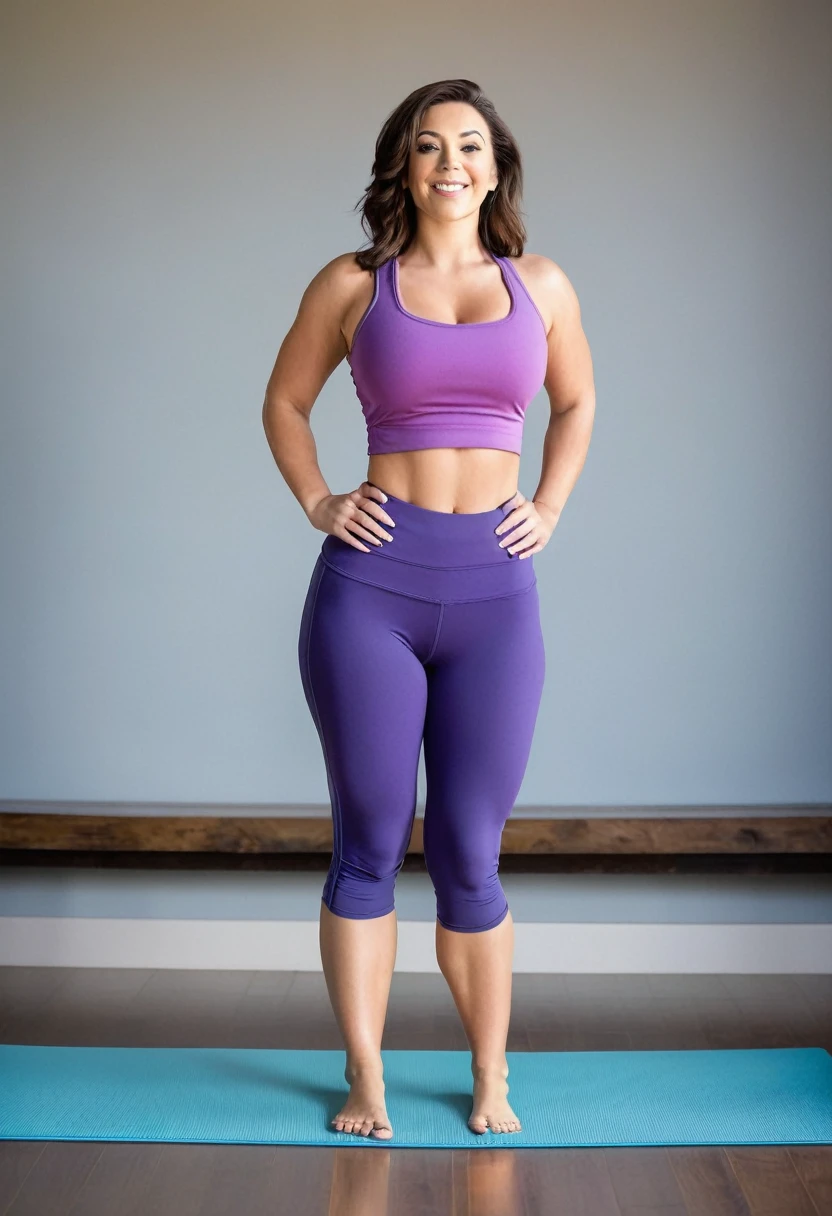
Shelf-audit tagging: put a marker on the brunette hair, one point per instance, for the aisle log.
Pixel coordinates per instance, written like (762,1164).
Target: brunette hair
(388,213)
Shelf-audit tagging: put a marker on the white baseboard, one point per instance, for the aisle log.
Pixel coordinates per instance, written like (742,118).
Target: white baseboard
(569,948)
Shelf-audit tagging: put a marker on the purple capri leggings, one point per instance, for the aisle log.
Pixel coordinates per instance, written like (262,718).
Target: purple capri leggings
(434,636)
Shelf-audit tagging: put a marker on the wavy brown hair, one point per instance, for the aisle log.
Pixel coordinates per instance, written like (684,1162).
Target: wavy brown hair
(388,213)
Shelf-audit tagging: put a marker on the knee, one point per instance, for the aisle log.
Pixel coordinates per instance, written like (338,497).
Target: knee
(358,893)
(474,917)
(469,895)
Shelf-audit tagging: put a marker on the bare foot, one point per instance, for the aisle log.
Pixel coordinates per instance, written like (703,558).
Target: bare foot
(364,1112)
(491,1110)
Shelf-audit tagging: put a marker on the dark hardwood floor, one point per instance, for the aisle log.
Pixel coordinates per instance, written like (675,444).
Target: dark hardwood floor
(291,1009)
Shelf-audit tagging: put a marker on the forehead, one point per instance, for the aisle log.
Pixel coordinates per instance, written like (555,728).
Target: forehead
(451,118)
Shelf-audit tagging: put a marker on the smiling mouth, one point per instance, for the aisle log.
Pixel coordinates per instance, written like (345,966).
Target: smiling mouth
(448,192)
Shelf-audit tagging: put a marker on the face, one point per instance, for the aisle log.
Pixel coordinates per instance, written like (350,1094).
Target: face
(452,144)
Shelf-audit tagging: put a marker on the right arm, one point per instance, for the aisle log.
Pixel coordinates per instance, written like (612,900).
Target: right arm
(308,355)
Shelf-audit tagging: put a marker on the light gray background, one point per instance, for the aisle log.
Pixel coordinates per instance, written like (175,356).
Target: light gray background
(174,175)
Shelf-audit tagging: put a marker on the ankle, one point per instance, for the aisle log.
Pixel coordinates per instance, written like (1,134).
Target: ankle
(490,1068)
(364,1063)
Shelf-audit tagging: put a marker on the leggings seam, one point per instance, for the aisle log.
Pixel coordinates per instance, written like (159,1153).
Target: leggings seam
(337,844)
(429,655)
(386,555)
(427,598)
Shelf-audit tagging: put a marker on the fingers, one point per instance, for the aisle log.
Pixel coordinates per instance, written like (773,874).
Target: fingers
(363,516)
(345,536)
(519,538)
(515,516)
(367,513)
(511,532)
(365,525)
(365,497)
(521,529)
(352,527)
(361,525)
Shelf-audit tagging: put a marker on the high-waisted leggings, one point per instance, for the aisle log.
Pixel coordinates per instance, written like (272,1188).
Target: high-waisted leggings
(435,638)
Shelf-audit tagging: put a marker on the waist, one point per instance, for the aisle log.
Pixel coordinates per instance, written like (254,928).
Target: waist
(453,480)
(436,555)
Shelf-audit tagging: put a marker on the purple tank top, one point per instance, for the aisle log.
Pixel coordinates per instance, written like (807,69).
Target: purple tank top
(433,384)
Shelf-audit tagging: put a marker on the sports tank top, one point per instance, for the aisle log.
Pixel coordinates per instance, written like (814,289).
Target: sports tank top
(434,384)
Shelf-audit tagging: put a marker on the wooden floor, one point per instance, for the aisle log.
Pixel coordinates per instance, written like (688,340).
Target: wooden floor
(291,1009)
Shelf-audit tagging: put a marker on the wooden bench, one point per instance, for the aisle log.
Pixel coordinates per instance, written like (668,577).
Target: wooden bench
(534,839)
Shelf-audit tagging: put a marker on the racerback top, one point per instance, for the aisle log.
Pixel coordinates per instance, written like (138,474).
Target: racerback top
(435,384)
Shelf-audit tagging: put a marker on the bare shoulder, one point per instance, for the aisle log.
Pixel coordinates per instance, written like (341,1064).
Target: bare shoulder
(337,282)
(316,340)
(548,286)
(337,296)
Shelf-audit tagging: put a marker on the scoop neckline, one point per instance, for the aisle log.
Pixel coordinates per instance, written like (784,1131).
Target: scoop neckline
(457,324)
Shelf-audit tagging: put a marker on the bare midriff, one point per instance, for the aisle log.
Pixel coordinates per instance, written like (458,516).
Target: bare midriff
(459,481)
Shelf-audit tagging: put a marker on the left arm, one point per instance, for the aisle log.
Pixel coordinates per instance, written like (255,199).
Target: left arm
(570,384)
(571,387)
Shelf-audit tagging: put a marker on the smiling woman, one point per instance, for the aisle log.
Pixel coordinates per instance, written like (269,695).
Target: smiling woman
(421,623)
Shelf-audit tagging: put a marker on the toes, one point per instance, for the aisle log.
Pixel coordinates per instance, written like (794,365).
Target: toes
(362,1127)
(482,1123)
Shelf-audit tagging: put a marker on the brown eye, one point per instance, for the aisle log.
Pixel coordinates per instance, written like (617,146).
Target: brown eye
(467,148)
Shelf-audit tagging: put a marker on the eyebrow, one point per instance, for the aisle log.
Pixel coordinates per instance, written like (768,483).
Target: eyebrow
(438,136)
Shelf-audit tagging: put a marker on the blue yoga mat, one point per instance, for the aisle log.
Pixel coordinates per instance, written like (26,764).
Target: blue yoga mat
(223,1095)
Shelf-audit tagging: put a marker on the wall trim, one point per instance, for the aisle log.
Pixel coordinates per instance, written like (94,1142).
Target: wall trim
(570,948)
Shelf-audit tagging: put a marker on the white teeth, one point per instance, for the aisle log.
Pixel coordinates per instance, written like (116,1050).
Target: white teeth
(448,189)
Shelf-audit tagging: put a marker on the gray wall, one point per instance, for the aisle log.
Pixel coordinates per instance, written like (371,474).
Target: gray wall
(173,177)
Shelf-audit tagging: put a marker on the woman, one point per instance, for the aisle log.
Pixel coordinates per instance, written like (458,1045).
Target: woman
(422,621)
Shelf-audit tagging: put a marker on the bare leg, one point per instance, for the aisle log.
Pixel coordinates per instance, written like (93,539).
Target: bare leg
(477,968)
(358,959)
